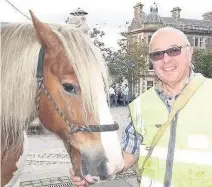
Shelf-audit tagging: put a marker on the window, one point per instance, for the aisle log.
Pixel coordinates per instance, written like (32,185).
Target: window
(201,42)
(149,38)
(150,84)
(196,42)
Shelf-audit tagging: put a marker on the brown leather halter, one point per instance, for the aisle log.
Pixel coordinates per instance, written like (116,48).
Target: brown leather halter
(73,128)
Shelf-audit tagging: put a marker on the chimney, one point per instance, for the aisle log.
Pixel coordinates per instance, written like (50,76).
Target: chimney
(138,10)
(176,13)
(207,16)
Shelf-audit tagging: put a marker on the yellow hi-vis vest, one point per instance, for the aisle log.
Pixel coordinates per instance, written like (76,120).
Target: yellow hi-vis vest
(192,166)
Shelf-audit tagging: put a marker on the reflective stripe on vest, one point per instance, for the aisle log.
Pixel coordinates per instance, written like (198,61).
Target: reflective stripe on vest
(180,155)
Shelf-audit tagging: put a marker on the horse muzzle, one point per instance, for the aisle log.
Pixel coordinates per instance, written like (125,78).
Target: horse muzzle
(96,168)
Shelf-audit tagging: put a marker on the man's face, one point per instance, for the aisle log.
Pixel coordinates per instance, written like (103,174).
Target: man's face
(171,69)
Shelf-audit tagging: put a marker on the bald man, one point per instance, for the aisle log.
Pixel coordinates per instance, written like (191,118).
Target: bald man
(183,155)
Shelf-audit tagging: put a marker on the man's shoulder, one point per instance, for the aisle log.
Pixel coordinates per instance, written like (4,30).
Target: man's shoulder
(209,80)
(209,83)
(147,93)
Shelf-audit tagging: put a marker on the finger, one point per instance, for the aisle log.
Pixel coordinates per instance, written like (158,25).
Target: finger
(72,172)
(86,183)
(74,177)
(80,184)
(77,180)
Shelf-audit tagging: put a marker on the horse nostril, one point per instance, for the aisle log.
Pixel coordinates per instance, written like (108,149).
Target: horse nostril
(95,179)
(103,170)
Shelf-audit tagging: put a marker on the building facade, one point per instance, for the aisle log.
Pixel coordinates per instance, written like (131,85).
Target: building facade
(198,32)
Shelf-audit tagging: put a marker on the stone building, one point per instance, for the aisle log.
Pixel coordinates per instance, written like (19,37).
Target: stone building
(78,18)
(199,32)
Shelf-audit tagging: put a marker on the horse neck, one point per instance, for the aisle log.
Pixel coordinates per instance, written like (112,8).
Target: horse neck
(9,158)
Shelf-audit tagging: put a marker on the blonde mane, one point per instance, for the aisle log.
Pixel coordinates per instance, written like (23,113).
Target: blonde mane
(19,57)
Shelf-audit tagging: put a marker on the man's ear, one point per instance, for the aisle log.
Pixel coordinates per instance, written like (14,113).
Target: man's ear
(191,51)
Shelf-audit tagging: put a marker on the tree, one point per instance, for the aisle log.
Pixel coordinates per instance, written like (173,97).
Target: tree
(202,61)
(112,58)
(131,61)
(97,35)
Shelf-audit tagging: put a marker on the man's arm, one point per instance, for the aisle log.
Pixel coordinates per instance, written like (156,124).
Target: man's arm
(129,160)
(131,142)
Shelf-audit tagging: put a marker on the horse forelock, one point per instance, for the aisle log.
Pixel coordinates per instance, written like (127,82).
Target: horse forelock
(19,52)
(88,65)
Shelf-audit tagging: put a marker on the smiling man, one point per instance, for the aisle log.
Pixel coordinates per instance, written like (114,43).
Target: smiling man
(171,55)
(182,155)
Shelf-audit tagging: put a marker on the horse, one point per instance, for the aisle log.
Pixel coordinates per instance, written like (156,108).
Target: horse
(56,73)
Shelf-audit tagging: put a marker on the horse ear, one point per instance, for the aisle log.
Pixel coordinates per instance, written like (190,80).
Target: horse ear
(46,36)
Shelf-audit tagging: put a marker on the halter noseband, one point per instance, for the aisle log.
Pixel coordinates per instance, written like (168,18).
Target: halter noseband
(73,128)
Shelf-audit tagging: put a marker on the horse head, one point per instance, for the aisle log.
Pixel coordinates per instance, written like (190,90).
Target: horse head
(73,102)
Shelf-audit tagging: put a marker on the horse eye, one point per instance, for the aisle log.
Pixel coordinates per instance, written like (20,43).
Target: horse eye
(69,88)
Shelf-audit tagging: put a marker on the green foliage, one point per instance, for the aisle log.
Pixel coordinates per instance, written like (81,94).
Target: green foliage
(97,35)
(202,60)
(130,61)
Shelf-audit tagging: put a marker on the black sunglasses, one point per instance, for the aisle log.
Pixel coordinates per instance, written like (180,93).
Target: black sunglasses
(173,51)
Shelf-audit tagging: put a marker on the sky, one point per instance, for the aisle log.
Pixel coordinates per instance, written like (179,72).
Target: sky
(109,15)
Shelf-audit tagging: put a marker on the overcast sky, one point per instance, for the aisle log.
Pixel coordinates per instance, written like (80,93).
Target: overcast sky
(110,15)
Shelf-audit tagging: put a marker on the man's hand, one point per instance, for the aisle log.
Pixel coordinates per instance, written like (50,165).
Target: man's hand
(77,180)
(129,160)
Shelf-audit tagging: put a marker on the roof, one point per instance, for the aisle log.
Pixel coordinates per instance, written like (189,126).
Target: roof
(78,11)
(153,18)
(182,23)
(186,22)
(197,25)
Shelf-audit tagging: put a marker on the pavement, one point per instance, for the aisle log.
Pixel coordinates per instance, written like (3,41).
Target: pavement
(48,162)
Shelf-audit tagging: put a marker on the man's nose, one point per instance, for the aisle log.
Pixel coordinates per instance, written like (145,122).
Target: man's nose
(166,58)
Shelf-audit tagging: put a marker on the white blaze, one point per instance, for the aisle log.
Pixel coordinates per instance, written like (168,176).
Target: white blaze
(110,140)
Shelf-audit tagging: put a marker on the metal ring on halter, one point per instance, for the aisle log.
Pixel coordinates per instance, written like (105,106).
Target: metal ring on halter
(73,128)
